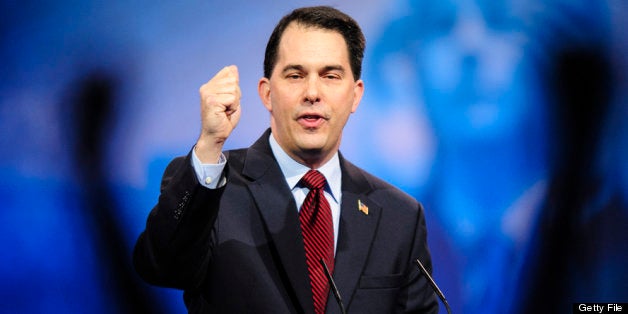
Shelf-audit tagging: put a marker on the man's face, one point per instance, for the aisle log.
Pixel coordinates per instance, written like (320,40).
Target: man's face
(311,93)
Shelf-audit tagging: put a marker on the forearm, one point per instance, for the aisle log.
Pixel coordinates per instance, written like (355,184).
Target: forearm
(176,244)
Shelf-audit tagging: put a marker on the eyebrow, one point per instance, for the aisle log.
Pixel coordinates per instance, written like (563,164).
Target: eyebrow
(339,68)
(300,68)
(291,67)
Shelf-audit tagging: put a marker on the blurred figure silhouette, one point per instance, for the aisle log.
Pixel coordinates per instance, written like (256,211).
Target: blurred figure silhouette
(93,114)
(581,249)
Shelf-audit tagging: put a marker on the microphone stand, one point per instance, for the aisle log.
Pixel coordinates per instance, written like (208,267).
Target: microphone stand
(434,286)
(334,289)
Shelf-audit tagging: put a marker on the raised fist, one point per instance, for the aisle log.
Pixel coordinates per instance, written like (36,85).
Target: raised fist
(220,113)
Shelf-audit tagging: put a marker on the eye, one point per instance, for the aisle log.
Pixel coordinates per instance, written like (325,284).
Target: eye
(294,76)
(332,76)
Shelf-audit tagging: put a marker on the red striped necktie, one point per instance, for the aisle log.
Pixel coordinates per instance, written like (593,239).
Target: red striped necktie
(318,236)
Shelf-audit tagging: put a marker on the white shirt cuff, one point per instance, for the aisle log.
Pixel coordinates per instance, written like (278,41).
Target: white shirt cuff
(209,175)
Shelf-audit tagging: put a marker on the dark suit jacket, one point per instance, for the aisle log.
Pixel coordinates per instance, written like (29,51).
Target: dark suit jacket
(239,249)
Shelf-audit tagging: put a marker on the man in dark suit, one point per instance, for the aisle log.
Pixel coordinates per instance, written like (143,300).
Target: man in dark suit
(252,230)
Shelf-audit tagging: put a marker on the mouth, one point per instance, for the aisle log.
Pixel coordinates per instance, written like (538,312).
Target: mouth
(311,120)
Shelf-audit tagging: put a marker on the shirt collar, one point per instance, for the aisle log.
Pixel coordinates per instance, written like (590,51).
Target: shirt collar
(294,171)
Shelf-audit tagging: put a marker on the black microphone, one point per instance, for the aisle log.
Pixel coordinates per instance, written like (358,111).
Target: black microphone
(334,289)
(433,284)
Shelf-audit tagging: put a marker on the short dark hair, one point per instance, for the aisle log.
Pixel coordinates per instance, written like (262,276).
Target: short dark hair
(323,17)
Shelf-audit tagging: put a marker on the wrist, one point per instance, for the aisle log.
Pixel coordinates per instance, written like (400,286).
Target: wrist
(208,152)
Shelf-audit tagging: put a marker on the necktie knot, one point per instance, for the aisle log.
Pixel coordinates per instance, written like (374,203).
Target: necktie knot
(314,180)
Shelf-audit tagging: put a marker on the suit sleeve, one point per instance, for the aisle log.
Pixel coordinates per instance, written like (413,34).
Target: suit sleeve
(418,296)
(176,244)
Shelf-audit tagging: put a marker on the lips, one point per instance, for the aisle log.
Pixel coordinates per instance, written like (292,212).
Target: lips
(311,120)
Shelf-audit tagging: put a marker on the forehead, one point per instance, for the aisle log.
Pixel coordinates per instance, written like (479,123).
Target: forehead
(305,44)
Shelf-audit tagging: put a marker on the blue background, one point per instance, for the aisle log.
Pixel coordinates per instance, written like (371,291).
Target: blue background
(507,119)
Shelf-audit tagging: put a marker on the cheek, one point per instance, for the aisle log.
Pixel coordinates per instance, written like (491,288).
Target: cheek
(281,113)
(342,116)
(346,106)
(284,99)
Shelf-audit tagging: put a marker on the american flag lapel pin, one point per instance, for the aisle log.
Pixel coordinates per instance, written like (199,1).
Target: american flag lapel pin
(363,208)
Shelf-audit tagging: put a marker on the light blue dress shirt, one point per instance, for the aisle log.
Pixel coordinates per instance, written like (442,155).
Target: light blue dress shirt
(209,176)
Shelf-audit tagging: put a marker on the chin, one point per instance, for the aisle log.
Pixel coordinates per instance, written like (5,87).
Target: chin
(311,139)
(310,146)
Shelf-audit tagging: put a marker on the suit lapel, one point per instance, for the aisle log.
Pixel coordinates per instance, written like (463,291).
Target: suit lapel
(356,233)
(278,211)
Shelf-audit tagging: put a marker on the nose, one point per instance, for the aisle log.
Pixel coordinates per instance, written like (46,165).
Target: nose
(312,90)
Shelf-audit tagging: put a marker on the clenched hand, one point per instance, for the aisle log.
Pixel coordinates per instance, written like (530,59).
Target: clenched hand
(220,113)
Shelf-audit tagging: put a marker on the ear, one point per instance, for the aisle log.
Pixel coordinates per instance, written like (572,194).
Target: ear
(263,89)
(358,91)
